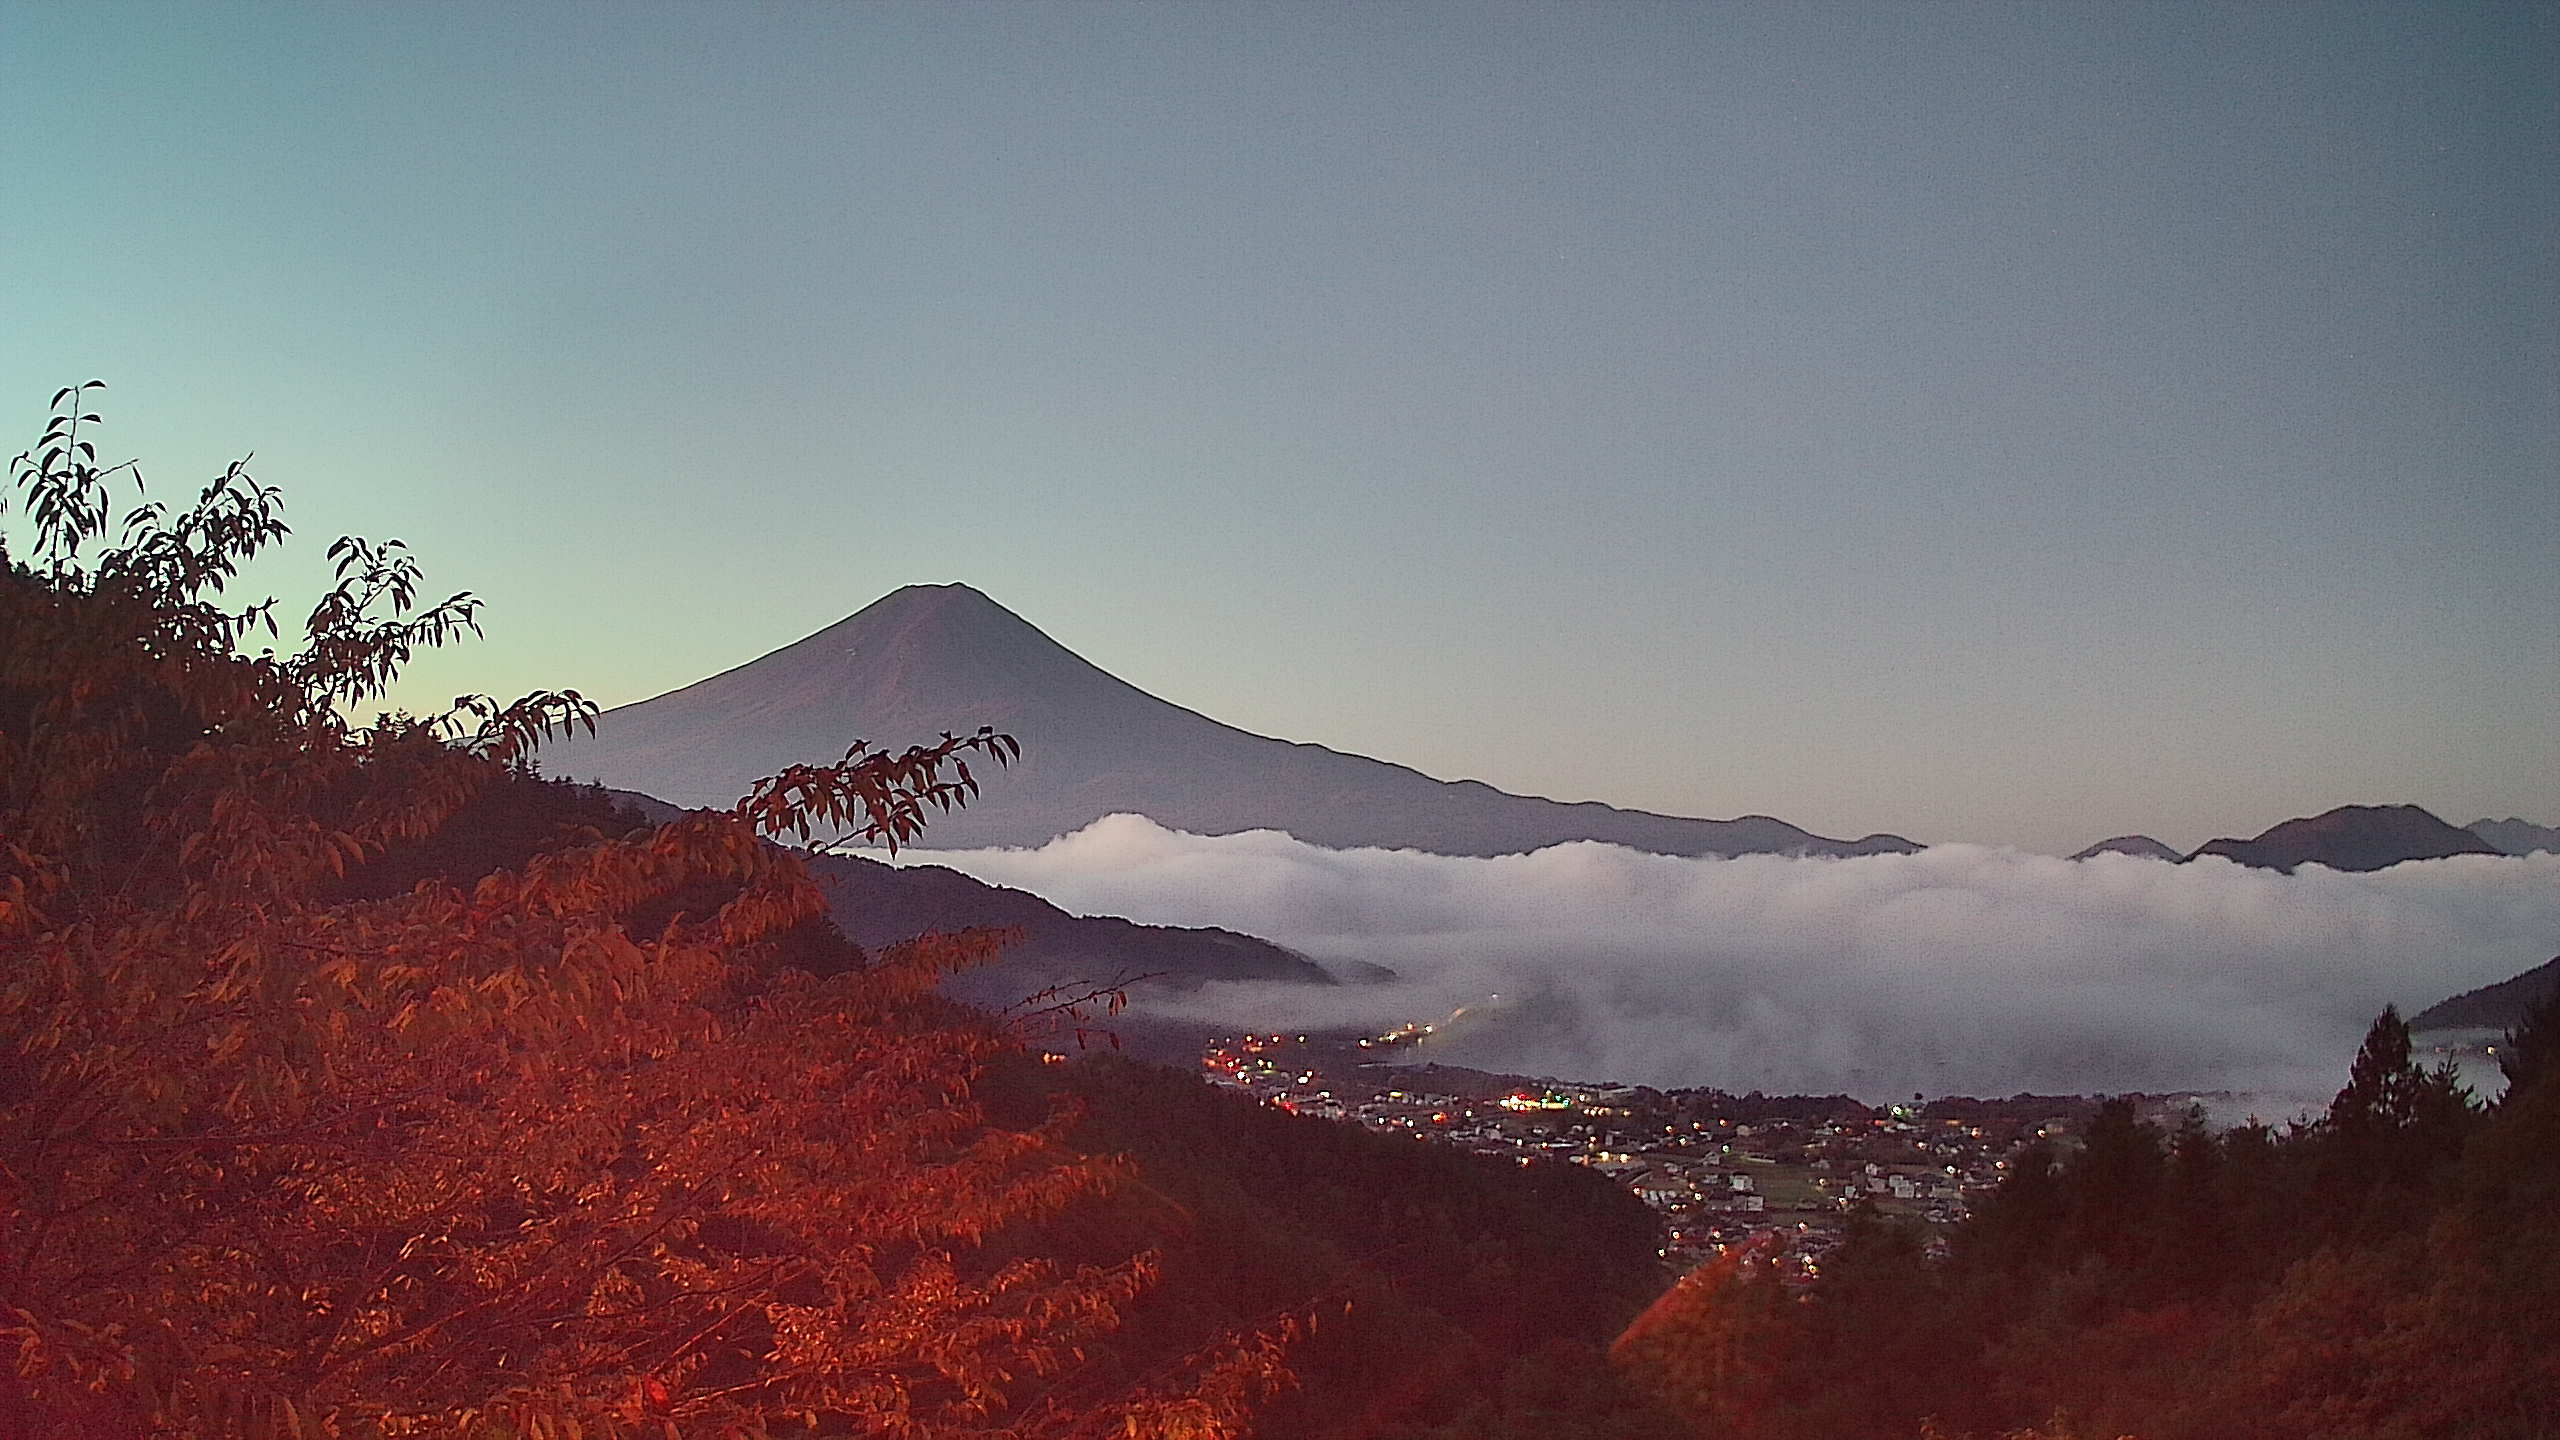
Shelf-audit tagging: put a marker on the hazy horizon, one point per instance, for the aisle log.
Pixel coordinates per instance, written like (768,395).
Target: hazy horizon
(1999,423)
(572,769)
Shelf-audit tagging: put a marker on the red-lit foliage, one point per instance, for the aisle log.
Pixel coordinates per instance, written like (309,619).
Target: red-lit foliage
(495,1159)
(1713,1347)
(1454,1296)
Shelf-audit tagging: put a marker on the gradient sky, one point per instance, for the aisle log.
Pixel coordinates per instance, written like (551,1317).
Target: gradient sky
(2005,423)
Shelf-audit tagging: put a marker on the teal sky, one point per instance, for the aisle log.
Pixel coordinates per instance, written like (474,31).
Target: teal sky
(2019,424)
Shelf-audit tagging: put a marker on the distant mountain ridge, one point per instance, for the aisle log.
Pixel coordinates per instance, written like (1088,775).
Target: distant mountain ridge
(2517,837)
(2351,837)
(878,905)
(929,658)
(2141,846)
(2501,1005)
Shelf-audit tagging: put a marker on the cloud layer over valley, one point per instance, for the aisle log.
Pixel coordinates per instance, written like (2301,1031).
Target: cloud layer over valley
(1960,969)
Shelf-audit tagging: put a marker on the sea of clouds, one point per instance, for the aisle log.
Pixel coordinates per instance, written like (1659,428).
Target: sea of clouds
(1958,970)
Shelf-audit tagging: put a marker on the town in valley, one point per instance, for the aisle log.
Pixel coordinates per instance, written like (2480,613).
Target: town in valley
(1782,1174)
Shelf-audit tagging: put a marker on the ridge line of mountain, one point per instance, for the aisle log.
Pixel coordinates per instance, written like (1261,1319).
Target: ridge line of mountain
(2501,1005)
(2350,837)
(923,660)
(928,659)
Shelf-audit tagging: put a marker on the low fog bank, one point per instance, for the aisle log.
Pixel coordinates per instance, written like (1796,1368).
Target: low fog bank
(1960,969)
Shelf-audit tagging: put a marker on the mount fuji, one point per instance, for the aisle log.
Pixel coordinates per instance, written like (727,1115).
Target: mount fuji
(932,658)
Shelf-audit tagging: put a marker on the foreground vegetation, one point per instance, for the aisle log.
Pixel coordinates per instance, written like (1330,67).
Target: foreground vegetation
(355,1081)
(545,1142)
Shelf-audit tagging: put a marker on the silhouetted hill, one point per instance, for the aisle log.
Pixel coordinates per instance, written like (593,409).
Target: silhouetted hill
(2517,837)
(647,807)
(880,905)
(2139,845)
(506,822)
(2501,1005)
(1453,1294)
(2352,837)
(931,658)
(877,905)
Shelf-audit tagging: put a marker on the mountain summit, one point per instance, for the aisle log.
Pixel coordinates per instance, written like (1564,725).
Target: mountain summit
(929,658)
(2351,837)
(2141,847)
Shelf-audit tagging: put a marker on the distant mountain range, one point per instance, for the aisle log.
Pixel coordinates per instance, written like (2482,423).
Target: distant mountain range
(2353,837)
(2501,1005)
(2517,837)
(931,658)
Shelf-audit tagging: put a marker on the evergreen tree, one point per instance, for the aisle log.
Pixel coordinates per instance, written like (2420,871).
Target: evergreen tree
(2111,1184)
(2527,1053)
(2380,1098)
(2394,1127)
(2016,1234)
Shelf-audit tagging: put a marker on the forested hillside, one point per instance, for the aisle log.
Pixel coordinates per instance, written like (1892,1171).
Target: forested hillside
(1450,1295)
(2388,1273)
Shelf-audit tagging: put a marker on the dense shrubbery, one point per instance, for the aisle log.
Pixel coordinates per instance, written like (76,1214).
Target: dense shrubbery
(353,1082)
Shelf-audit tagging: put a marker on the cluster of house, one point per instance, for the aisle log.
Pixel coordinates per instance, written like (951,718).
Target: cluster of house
(1781,1173)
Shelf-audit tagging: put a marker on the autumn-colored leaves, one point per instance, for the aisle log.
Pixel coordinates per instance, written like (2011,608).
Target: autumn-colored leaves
(499,1159)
